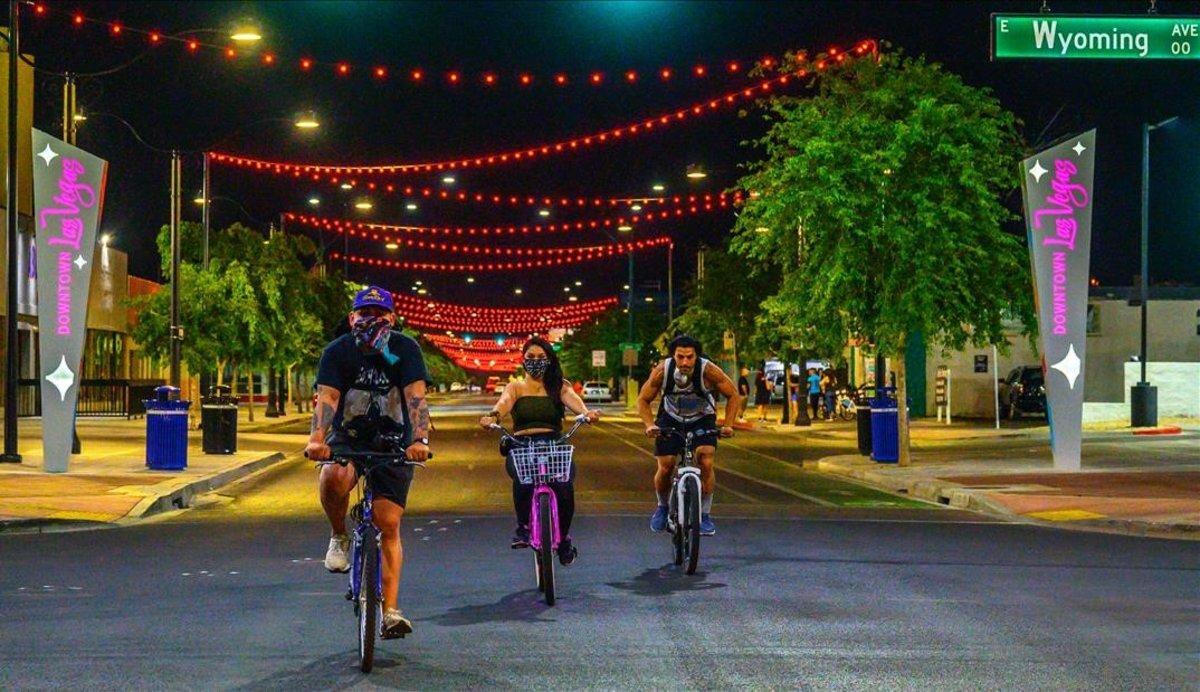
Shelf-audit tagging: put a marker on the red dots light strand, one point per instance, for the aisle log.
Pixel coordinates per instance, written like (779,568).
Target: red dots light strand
(575,256)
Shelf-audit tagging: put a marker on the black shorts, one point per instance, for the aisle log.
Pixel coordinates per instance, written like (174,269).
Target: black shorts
(671,445)
(389,481)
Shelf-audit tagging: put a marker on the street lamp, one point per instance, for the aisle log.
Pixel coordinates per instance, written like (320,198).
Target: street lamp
(314,201)
(1143,399)
(696,172)
(364,205)
(307,121)
(246,31)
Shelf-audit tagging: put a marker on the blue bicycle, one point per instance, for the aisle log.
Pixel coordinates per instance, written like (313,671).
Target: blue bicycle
(364,551)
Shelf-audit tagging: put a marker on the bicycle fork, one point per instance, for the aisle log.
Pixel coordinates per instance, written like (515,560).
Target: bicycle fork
(684,475)
(535,522)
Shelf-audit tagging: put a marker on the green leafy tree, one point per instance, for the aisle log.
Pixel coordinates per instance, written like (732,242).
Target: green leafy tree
(729,296)
(607,333)
(879,199)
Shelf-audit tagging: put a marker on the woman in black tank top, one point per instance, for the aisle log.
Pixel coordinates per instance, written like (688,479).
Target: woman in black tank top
(538,404)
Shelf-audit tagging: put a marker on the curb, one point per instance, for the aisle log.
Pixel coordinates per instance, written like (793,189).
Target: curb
(172,498)
(181,497)
(1165,430)
(959,497)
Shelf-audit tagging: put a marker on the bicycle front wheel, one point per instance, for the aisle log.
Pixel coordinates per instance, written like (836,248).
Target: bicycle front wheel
(368,603)
(691,531)
(546,551)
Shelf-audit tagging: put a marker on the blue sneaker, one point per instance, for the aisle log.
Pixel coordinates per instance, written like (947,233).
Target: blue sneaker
(658,522)
(707,527)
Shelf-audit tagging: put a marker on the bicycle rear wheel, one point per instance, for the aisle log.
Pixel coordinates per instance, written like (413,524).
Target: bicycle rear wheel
(546,552)
(691,514)
(369,606)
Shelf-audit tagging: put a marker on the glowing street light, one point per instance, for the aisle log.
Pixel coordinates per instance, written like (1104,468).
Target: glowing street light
(392,246)
(411,206)
(696,172)
(449,179)
(624,228)
(658,187)
(246,31)
(636,207)
(314,201)
(517,291)
(543,213)
(470,279)
(364,205)
(307,121)
(346,186)
(578,283)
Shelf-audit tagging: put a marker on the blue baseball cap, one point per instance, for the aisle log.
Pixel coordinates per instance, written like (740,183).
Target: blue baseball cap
(374,297)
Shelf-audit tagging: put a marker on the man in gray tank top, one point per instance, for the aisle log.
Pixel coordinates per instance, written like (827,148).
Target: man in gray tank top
(686,381)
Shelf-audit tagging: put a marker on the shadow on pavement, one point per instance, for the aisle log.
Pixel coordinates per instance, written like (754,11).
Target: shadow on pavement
(666,580)
(340,671)
(523,606)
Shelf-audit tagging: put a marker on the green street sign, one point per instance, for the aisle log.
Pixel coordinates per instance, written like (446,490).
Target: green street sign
(631,347)
(1095,37)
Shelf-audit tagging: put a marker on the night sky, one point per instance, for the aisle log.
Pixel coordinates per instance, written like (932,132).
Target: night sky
(193,102)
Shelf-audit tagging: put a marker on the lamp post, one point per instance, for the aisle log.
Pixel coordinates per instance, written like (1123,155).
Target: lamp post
(175,330)
(11,371)
(1143,397)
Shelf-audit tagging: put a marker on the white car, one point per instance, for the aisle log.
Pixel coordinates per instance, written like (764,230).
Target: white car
(596,391)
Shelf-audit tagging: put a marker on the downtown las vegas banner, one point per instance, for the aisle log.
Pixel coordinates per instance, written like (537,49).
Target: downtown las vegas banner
(68,196)
(1057,187)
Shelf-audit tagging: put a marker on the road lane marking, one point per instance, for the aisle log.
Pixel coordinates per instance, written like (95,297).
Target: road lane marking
(724,488)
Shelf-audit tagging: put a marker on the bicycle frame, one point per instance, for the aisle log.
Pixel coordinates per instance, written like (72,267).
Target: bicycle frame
(684,467)
(541,488)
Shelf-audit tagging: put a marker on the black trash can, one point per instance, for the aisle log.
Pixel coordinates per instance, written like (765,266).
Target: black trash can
(862,414)
(218,421)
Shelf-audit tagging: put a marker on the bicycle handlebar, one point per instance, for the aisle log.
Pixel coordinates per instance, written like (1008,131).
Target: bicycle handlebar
(344,458)
(580,419)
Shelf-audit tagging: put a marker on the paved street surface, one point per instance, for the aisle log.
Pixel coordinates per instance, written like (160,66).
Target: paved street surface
(810,582)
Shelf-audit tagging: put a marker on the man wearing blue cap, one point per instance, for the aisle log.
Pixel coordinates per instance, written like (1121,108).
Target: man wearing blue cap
(371,397)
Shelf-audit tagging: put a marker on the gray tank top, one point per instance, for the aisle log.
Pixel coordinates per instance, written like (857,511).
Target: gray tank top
(686,399)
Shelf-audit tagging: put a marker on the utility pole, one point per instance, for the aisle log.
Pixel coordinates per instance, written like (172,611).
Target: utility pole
(205,218)
(176,331)
(670,283)
(70,127)
(11,369)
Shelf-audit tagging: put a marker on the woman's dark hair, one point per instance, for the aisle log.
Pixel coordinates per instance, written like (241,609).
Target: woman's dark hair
(553,379)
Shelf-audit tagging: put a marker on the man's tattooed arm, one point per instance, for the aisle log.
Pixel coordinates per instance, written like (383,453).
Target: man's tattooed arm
(323,412)
(418,410)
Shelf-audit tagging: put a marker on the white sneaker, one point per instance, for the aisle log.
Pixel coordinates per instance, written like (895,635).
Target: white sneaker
(394,625)
(337,558)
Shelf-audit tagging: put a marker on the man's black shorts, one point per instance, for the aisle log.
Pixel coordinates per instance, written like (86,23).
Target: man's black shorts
(671,445)
(389,481)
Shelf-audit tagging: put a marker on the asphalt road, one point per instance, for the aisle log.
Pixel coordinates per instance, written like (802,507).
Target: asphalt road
(810,582)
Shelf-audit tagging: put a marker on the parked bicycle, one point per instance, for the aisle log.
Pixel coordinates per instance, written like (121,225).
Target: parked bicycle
(366,582)
(846,410)
(683,505)
(540,463)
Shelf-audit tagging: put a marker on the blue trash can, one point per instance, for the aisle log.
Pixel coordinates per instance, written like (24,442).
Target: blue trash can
(885,427)
(166,430)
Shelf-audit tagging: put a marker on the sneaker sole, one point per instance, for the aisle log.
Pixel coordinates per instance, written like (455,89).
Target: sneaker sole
(518,546)
(338,571)
(396,632)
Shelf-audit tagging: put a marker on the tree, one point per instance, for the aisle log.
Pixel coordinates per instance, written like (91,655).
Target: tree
(880,200)
(729,297)
(607,333)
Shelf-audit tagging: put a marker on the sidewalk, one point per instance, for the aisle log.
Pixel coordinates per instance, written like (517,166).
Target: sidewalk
(109,482)
(1112,492)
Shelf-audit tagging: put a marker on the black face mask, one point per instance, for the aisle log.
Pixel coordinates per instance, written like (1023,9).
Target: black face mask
(536,367)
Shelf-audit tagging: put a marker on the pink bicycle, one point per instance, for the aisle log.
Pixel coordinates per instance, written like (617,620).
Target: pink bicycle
(540,463)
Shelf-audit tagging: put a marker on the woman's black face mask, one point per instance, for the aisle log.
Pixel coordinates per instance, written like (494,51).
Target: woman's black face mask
(536,367)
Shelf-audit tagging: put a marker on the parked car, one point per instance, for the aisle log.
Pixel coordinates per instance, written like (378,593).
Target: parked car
(596,391)
(1023,392)
(457,387)
(493,383)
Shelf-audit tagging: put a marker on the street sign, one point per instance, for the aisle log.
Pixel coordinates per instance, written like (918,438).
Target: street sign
(629,347)
(981,364)
(599,359)
(1095,37)
(629,357)
(728,340)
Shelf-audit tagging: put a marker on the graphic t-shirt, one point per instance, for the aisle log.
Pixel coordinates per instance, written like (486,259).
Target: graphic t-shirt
(369,386)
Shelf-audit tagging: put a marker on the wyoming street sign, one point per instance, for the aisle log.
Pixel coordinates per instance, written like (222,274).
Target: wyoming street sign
(1095,37)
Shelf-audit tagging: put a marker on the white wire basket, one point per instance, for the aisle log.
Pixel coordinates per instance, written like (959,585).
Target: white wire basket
(542,463)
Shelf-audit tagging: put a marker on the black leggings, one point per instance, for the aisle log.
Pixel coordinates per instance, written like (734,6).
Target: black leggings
(523,498)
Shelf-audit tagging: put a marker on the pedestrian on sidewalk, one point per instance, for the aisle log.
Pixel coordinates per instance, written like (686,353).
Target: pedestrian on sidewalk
(829,390)
(761,395)
(814,391)
(744,392)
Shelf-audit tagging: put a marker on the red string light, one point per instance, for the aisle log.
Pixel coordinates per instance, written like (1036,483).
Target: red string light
(586,254)
(407,303)
(720,200)
(366,228)
(316,172)
(507,325)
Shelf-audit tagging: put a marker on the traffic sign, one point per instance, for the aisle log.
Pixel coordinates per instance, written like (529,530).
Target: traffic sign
(631,347)
(1095,37)
(599,359)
